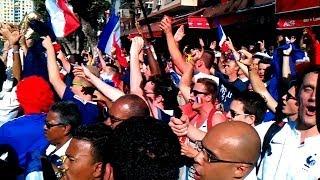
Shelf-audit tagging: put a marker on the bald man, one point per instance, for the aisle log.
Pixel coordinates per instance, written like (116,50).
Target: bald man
(125,107)
(229,150)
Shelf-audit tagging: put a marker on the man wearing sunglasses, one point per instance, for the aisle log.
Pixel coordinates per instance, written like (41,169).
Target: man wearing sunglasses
(249,107)
(61,121)
(229,150)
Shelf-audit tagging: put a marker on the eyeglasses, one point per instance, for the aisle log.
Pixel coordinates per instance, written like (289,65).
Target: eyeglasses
(234,114)
(196,93)
(290,96)
(213,158)
(49,126)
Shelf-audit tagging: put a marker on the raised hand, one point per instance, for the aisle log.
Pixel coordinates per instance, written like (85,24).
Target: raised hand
(47,43)
(179,34)
(136,45)
(201,42)
(165,24)
(287,52)
(262,45)
(213,45)
(230,44)
(82,71)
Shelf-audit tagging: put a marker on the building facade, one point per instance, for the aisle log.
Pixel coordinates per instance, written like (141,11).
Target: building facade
(13,11)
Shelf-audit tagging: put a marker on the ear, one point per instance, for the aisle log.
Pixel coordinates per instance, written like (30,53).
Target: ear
(108,172)
(199,63)
(67,130)
(159,98)
(251,119)
(242,170)
(208,98)
(98,170)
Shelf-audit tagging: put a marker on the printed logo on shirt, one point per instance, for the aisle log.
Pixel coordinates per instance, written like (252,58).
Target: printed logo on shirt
(310,161)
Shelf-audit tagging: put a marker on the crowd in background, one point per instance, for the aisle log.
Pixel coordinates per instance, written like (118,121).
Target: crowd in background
(210,111)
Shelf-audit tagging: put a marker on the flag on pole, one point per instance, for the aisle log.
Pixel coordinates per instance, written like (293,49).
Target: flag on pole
(222,39)
(110,37)
(63,20)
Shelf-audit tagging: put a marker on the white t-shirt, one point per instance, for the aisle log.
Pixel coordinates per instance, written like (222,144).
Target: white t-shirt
(289,158)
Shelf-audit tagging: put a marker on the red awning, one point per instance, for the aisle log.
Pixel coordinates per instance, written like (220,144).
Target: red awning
(156,31)
(283,6)
(299,20)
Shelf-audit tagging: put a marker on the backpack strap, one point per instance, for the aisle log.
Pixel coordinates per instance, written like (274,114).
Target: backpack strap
(272,131)
(209,120)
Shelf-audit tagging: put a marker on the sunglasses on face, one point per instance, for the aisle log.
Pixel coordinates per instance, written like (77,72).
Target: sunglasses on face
(289,96)
(196,93)
(234,114)
(211,158)
(49,126)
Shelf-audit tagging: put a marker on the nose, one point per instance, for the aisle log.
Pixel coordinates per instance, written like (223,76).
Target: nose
(313,96)
(229,116)
(108,122)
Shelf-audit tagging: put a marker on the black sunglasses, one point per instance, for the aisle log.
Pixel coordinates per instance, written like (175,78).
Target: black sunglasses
(213,158)
(196,93)
(289,96)
(234,114)
(49,126)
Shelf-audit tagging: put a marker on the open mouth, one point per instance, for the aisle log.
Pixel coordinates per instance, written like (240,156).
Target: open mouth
(311,110)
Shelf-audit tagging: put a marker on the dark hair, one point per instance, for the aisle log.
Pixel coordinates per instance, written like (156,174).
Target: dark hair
(264,60)
(113,67)
(207,58)
(253,104)
(211,86)
(98,135)
(144,148)
(68,113)
(165,87)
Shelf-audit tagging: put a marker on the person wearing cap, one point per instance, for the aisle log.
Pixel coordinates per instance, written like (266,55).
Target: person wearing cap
(80,92)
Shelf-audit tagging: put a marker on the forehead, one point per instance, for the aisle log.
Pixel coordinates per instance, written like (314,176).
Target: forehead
(237,106)
(199,86)
(310,79)
(52,116)
(79,148)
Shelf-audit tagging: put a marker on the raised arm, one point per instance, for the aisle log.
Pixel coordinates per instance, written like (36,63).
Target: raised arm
(286,71)
(110,92)
(259,87)
(153,63)
(53,70)
(16,68)
(135,73)
(174,51)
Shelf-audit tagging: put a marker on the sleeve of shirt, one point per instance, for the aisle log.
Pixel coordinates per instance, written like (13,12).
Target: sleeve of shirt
(68,95)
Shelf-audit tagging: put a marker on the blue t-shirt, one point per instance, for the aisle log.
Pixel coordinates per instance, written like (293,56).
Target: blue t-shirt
(25,134)
(227,90)
(89,111)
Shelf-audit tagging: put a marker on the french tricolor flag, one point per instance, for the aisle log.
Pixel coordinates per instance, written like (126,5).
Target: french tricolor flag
(63,20)
(110,37)
(222,39)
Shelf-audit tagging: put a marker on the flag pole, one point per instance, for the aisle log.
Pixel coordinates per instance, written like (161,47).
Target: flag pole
(146,19)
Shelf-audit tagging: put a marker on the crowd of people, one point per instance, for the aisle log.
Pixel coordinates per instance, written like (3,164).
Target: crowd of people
(207,112)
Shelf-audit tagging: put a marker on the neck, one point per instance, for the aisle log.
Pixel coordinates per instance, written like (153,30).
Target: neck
(62,142)
(307,131)
(205,110)
(293,117)
(77,91)
(205,70)
(232,77)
